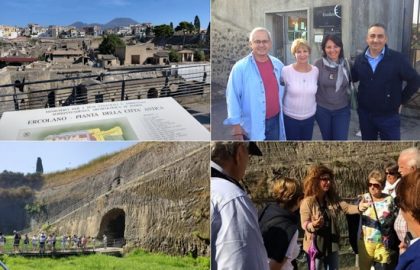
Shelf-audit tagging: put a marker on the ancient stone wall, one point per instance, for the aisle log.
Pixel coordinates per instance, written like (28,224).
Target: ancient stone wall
(163,191)
(351,163)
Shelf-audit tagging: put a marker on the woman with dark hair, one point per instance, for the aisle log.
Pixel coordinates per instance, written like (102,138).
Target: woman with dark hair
(332,96)
(318,213)
(408,200)
(279,224)
(393,177)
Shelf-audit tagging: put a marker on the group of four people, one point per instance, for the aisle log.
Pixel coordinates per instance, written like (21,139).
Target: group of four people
(269,101)
(243,239)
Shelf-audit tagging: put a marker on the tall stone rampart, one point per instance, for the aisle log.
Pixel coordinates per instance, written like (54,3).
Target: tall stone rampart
(159,194)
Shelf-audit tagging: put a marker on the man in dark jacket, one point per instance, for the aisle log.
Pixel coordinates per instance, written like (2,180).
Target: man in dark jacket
(381,72)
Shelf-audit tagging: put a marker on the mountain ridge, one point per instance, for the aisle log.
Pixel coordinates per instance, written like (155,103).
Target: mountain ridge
(116,22)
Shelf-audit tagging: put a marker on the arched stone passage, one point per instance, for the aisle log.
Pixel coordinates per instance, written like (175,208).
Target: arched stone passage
(113,226)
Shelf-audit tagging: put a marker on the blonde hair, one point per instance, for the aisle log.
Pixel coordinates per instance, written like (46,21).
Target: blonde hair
(287,191)
(298,43)
(378,176)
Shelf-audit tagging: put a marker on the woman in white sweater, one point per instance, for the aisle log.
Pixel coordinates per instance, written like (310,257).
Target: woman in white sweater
(300,80)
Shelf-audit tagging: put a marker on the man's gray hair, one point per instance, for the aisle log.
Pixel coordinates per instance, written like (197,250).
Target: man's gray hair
(257,29)
(223,151)
(413,155)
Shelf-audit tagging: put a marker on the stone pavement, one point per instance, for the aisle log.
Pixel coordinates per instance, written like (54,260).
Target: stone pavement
(410,127)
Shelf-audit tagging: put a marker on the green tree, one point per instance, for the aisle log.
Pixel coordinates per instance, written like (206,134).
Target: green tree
(148,31)
(173,56)
(208,35)
(109,44)
(199,55)
(197,23)
(185,26)
(163,30)
(39,167)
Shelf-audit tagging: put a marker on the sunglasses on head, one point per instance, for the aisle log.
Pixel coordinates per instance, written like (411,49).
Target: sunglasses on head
(325,178)
(375,185)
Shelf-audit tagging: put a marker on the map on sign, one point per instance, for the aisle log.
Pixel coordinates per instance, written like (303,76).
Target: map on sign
(160,119)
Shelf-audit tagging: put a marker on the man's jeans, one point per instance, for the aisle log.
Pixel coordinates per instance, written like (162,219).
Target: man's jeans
(387,127)
(272,128)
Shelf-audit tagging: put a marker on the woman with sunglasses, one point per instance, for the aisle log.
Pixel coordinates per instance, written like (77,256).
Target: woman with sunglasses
(376,223)
(319,217)
(409,203)
(393,177)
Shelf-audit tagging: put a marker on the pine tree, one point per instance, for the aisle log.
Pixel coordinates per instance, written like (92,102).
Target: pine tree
(197,23)
(39,167)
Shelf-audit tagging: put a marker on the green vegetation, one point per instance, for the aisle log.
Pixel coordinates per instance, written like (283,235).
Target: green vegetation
(39,167)
(197,24)
(199,55)
(109,44)
(94,166)
(35,208)
(185,26)
(138,260)
(163,30)
(174,56)
(16,193)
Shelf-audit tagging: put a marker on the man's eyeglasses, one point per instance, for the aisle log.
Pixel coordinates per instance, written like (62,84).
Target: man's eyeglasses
(258,42)
(390,173)
(375,185)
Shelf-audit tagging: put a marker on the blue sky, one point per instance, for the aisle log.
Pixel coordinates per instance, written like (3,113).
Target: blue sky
(56,156)
(66,12)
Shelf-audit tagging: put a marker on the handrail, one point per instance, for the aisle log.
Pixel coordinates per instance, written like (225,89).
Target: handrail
(176,82)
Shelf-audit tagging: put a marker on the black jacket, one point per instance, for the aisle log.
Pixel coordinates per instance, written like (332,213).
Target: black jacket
(382,92)
(277,227)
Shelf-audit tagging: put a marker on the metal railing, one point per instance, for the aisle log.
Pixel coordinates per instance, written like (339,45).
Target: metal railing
(177,82)
(70,246)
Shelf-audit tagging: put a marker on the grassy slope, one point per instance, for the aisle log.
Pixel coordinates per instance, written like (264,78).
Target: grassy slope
(93,167)
(136,260)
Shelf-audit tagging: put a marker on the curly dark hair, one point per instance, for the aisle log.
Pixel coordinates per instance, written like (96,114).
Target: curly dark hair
(311,185)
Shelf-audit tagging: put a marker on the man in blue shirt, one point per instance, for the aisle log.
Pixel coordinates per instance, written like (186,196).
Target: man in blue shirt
(254,94)
(381,72)
(236,241)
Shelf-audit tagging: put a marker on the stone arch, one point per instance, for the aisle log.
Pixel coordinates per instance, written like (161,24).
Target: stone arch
(113,226)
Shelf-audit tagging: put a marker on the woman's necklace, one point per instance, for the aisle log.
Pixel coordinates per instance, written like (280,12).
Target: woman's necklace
(302,69)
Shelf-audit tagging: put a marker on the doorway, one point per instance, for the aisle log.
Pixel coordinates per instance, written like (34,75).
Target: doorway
(113,226)
(286,27)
